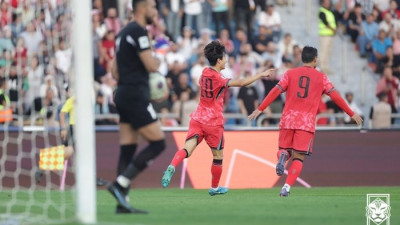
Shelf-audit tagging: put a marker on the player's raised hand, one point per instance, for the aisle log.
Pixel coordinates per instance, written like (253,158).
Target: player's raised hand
(268,72)
(254,114)
(358,119)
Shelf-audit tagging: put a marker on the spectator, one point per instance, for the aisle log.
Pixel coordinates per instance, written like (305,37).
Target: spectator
(48,84)
(35,79)
(112,22)
(389,25)
(380,114)
(393,11)
(97,54)
(286,45)
(185,105)
(193,12)
(6,42)
(390,85)
(226,41)
(49,106)
(379,46)
(6,59)
(390,60)
(273,54)
(220,15)
(272,20)
(173,76)
(175,58)
(196,70)
(353,106)
(205,37)
(260,43)
(108,50)
(172,10)
(63,57)
(182,86)
(4,99)
(396,43)
(187,43)
(16,88)
(20,53)
(27,14)
(16,26)
(241,43)
(244,14)
(322,109)
(32,38)
(327,30)
(107,87)
(368,32)
(381,5)
(102,107)
(248,98)
(99,27)
(5,14)
(355,20)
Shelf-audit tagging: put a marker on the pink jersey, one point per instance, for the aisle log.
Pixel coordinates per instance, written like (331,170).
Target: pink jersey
(304,87)
(213,87)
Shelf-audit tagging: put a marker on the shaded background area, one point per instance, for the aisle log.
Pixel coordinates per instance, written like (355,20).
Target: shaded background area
(341,158)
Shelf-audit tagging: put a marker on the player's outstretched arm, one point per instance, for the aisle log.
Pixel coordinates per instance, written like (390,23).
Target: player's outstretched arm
(114,69)
(272,95)
(248,80)
(338,100)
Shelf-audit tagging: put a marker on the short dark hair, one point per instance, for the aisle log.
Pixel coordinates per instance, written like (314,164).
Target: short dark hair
(214,51)
(308,54)
(135,3)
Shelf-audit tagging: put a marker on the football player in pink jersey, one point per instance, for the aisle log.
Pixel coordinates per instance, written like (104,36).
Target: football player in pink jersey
(207,122)
(304,87)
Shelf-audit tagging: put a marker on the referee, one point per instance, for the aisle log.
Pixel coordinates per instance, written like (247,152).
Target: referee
(131,69)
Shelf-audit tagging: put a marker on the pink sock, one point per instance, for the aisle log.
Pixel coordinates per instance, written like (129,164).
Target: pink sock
(179,157)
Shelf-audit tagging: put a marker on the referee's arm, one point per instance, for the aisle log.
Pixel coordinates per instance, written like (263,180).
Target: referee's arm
(114,69)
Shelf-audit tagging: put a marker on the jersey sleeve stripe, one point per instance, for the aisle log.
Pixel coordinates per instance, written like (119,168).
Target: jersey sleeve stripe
(280,87)
(220,92)
(330,91)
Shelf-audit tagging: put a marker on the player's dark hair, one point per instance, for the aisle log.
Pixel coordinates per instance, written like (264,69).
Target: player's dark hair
(308,54)
(136,2)
(214,51)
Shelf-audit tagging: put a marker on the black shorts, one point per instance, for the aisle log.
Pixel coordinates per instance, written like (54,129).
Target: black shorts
(135,112)
(69,140)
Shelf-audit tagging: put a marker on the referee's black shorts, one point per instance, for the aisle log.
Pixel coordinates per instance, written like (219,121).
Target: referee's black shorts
(135,112)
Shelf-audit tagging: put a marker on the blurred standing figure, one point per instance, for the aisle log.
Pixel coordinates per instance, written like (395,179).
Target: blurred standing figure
(381,113)
(194,11)
(327,30)
(172,10)
(220,15)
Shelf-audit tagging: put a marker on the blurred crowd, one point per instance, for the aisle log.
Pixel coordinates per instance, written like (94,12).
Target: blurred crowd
(36,55)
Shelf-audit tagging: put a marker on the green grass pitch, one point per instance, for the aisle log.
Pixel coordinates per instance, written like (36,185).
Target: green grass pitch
(339,205)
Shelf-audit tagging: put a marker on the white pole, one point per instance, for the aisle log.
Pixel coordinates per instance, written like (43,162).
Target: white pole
(84,126)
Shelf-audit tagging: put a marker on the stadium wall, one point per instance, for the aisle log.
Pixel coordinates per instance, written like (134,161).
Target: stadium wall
(340,158)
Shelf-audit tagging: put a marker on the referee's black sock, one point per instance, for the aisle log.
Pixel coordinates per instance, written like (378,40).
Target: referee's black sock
(144,159)
(125,157)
